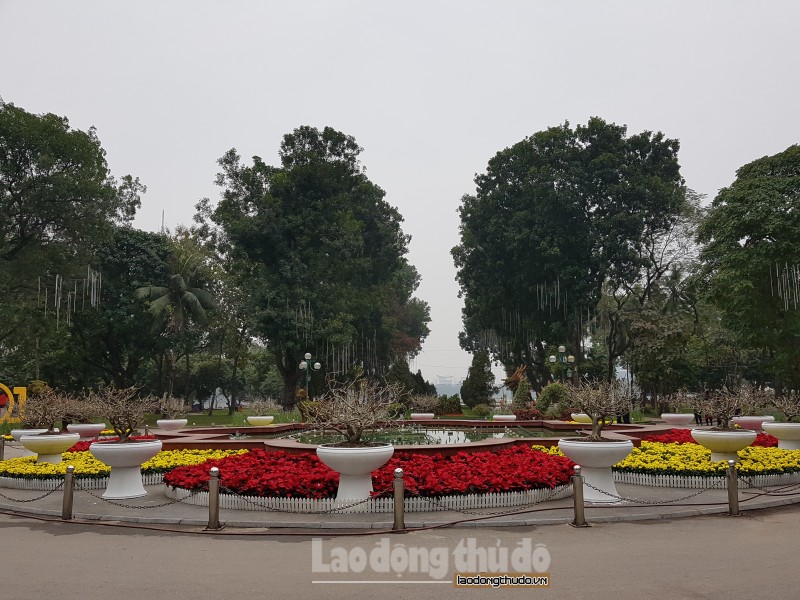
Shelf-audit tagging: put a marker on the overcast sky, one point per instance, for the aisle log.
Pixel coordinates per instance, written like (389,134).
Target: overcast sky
(430,89)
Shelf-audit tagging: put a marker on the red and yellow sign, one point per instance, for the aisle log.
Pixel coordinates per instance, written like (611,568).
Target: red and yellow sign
(14,404)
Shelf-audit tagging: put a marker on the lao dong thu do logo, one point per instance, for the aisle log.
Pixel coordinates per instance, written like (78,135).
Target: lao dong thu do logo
(397,560)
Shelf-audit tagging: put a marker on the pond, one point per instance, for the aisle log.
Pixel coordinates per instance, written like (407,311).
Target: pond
(423,436)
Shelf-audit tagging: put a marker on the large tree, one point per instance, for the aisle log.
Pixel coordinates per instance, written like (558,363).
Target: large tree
(751,240)
(553,218)
(58,201)
(322,257)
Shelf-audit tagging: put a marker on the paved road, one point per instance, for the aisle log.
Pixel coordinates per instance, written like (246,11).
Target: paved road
(710,557)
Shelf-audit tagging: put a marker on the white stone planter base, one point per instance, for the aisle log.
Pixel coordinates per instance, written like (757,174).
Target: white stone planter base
(87,431)
(355,467)
(172,424)
(126,461)
(602,479)
(788,434)
(682,420)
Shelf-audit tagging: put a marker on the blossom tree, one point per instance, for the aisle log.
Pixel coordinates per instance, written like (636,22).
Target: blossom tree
(601,401)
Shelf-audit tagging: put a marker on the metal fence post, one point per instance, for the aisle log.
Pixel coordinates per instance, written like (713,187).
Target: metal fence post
(733,489)
(213,500)
(147,429)
(2,447)
(577,495)
(69,489)
(399,500)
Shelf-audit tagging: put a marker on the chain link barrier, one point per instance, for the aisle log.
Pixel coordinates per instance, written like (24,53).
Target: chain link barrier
(780,491)
(45,495)
(78,486)
(263,508)
(717,485)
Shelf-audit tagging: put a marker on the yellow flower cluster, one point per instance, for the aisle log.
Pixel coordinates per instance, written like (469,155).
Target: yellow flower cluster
(656,458)
(87,465)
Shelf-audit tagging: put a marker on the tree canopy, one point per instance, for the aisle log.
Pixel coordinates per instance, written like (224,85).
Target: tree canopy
(323,256)
(553,218)
(751,252)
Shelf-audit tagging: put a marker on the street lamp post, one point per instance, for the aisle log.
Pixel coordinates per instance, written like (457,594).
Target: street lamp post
(307,366)
(565,361)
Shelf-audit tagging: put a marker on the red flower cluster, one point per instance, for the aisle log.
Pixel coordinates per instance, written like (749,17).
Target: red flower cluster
(684,436)
(84,446)
(260,473)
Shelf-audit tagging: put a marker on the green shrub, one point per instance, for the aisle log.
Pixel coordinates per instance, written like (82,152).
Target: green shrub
(522,395)
(481,410)
(553,397)
(450,406)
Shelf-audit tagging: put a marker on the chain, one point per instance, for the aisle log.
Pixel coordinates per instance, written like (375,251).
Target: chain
(294,512)
(121,504)
(45,495)
(656,502)
(779,492)
(484,513)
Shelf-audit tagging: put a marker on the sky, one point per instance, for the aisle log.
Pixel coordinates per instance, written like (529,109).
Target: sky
(430,89)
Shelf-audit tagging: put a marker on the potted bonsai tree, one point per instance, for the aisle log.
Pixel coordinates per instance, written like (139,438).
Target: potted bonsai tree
(677,404)
(172,410)
(725,440)
(423,406)
(42,411)
(259,412)
(124,410)
(788,433)
(595,453)
(351,409)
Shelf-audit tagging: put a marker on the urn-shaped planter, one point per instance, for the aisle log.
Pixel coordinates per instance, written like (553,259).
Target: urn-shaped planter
(724,444)
(788,434)
(48,448)
(421,416)
(87,431)
(678,419)
(752,422)
(596,460)
(504,418)
(355,467)
(125,460)
(260,420)
(172,424)
(581,417)
(16,434)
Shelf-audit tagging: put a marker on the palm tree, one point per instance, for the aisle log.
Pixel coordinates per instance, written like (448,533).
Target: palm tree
(177,303)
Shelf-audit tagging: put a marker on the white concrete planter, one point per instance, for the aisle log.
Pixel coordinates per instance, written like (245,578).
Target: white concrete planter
(172,424)
(724,445)
(678,419)
(265,420)
(752,422)
(788,434)
(355,467)
(581,418)
(87,431)
(49,447)
(125,460)
(504,418)
(596,460)
(421,416)
(18,433)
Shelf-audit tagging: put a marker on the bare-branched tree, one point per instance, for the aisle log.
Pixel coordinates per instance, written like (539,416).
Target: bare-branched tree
(352,408)
(601,401)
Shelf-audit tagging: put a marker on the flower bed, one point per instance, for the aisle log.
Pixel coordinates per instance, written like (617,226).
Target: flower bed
(276,474)
(87,466)
(684,436)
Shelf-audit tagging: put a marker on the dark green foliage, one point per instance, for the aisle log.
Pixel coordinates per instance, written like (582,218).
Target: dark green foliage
(552,398)
(751,234)
(553,218)
(522,395)
(449,405)
(322,257)
(479,384)
(481,410)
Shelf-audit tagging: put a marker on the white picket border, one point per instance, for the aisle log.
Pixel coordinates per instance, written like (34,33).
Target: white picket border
(86,483)
(373,505)
(699,481)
